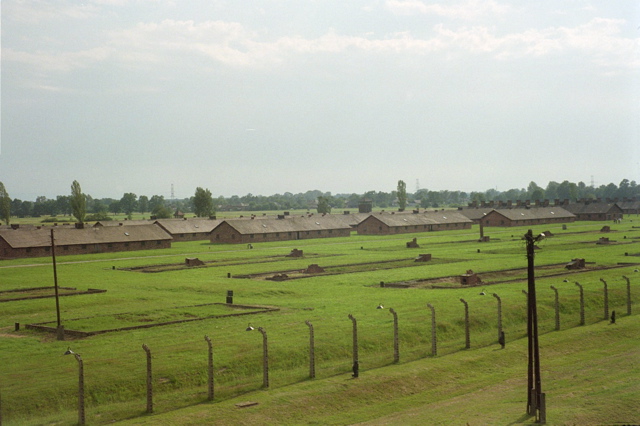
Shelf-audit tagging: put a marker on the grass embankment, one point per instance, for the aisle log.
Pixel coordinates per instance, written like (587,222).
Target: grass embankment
(585,375)
(39,385)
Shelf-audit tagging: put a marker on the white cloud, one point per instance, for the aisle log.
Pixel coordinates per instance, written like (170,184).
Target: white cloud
(232,44)
(37,11)
(467,10)
(57,61)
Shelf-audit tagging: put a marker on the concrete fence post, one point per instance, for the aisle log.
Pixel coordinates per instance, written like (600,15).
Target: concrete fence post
(628,294)
(466,325)
(434,348)
(606,300)
(265,358)
(81,415)
(396,341)
(581,303)
(499,315)
(557,307)
(356,362)
(209,370)
(149,380)
(312,354)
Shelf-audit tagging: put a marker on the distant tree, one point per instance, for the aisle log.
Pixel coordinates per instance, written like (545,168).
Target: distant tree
(5,204)
(99,206)
(568,190)
(491,194)
(78,202)
(434,199)
(402,195)
(323,205)
(534,192)
(128,203)
(477,196)
(25,209)
(161,212)
(63,204)
(115,207)
(537,194)
(143,204)
(44,206)
(551,192)
(203,203)
(156,202)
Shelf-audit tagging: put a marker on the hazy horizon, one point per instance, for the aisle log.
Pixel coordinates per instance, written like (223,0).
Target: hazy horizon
(270,97)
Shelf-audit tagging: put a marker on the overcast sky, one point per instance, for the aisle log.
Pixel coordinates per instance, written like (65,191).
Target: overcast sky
(277,96)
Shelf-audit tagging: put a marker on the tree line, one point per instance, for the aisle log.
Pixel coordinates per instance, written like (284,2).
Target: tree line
(203,204)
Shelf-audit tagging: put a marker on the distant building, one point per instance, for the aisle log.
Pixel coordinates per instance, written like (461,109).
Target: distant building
(595,210)
(122,223)
(629,206)
(188,229)
(30,242)
(246,231)
(402,223)
(527,216)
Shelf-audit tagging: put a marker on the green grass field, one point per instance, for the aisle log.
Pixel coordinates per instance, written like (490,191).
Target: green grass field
(590,373)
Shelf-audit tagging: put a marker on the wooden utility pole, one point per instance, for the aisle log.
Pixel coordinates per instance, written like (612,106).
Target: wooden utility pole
(536,404)
(59,329)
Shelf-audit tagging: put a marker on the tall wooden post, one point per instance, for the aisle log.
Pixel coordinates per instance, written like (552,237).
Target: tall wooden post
(209,369)
(59,328)
(536,404)
(265,358)
(434,348)
(499,314)
(557,308)
(356,362)
(628,294)
(581,303)
(149,380)
(467,337)
(396,342)
(606,300)
(312,351)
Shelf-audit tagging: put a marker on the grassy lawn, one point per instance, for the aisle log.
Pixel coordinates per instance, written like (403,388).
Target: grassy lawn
(591,373)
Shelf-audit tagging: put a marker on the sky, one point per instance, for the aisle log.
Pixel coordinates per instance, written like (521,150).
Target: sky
(276,96)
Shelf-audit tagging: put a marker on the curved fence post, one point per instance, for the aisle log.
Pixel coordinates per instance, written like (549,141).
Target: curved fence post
(356,363)
(312,355)
(209,369)
(628,295)
(434,348)
(265,358)
(606,300)
(466,324)
(499,315)
(396,342)
(581,303)
(557,307)
(81,416)
(149,380)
